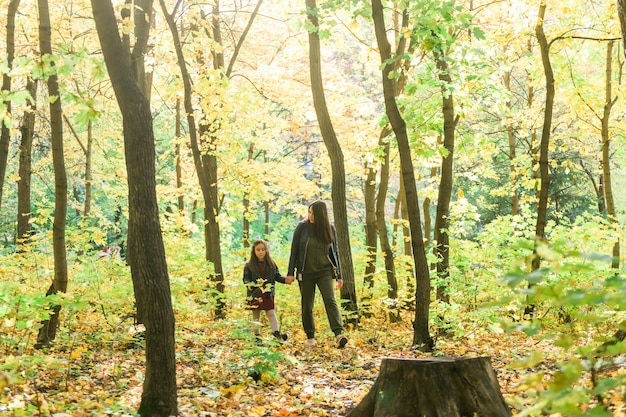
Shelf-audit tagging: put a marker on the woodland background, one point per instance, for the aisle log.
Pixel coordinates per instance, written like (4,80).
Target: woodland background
(253,96)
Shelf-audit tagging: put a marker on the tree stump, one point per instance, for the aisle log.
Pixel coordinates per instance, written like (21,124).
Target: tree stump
(438,387)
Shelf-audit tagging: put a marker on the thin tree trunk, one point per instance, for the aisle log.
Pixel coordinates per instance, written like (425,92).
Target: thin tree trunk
(146,252)
(203,143)
(371,238)
(442,219)
(381,199)
(88,170)
(5,133)
(348,291)
(400,23)
(512,152)
(621,12)
(544,174)
(381,223)
(266,205)
(246,205)
(434,171)
(27,130)
(402,214)
(606,151)
(86,148)
(421,335)
(47,332)
(179,169)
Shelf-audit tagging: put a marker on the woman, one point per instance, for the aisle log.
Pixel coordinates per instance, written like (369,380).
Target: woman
(313,256)
(260,275)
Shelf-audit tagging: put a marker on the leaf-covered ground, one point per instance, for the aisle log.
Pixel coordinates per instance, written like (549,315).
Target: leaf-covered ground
(222,371)
(95,366)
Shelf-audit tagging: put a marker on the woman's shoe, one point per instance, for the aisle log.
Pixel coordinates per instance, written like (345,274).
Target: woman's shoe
(310,342)
(342,341)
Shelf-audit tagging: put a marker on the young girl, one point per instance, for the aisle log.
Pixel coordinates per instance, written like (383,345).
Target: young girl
(260,275)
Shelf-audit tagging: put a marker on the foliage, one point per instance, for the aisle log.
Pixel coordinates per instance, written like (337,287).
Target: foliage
(582,303)
(269,152)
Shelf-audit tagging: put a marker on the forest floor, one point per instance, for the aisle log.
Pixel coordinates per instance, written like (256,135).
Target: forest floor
(93,375)
(95,366)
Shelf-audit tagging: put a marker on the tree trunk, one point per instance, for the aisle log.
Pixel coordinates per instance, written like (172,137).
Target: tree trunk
(621,12)
(385,247)
(439,387)
(421,334)
(27,130)
(340,211)
(205,161)
(5,133)
(442,219)
(88,170)
(47,332)
(434,172)
(87,151)
(544,173)
(402,214)
(371,238)
(512,152)
(606,152)
(246,205)
(383,143)
(179,169)
(146,252)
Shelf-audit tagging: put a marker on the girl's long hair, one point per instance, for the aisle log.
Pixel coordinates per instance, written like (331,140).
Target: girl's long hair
(321,228)
(253,262)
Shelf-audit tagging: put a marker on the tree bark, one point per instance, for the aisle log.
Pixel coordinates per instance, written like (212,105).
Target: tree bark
(203,150)
(442,219)
(146,252)
(47,332)
(179,169)
(512,151)
(371,238)
(87,151)
(621,12)
(379,227)
(246,205)
(606,151)
(5,133)
(401,213)
(340,211)
(544,173)
(381,224)
(421,334)
(27,131)
(439,387)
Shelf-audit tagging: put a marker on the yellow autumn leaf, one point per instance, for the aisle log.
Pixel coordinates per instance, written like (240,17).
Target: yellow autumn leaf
(5,380)
(258,411)
(232,389)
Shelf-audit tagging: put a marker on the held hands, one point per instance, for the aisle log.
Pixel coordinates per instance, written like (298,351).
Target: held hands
(290,278)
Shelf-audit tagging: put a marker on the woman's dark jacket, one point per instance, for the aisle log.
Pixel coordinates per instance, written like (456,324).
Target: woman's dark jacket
(272,275)
(299,247)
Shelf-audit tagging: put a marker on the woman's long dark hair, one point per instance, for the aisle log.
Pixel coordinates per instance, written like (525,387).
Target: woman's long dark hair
(321,228)
(253,262)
